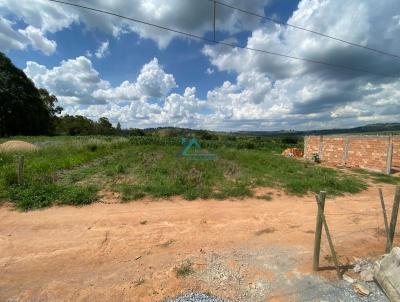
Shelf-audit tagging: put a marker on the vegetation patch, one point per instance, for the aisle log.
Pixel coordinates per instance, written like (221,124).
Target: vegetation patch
(378,177)
(184,270)
(69,170)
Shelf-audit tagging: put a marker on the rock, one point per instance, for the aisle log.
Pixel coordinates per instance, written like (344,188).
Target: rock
(367,275)
(361,289)
(387,274)
(357,268)
(347,278)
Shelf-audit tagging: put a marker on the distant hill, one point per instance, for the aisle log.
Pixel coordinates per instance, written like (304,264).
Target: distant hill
(372,129)
(206,134)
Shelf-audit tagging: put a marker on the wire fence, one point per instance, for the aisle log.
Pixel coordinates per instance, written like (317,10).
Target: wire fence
(364,228)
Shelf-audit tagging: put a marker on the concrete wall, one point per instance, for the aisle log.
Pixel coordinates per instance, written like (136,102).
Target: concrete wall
(364,151)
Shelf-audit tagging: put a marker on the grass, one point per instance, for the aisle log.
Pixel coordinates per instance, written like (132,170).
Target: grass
(71,170)
(184,270)
(377,177)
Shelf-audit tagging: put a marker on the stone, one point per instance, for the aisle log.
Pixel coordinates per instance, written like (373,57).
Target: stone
(347,278)
(361,289)
(387,274)
(367,275)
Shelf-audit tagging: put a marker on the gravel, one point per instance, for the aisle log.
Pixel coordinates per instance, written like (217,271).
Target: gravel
(196,297)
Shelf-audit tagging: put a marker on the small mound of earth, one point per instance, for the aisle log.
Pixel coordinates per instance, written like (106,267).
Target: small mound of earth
(196,297)
(15,145)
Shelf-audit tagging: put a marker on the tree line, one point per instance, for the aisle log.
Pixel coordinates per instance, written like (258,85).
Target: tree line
(28,110)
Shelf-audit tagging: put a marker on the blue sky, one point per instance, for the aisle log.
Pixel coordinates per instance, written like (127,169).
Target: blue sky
(142,77)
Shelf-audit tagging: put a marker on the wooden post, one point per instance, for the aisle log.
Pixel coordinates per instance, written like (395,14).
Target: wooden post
(318,230)
(328,235)
(395,211)
(389,156)
(387,249)
(20,171)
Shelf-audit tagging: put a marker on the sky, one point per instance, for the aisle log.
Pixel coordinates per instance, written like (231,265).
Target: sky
(100,65)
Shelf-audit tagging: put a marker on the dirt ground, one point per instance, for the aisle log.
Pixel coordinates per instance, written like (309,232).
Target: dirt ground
(251,249)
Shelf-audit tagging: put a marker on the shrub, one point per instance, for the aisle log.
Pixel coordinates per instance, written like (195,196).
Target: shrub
(92,147)
(77,195)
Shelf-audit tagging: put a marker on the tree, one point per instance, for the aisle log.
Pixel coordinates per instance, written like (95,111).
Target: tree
(104,126)
(24,109)
(118,127)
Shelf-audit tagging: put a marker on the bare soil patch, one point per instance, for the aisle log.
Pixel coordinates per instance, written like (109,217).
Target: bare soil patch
(248,249)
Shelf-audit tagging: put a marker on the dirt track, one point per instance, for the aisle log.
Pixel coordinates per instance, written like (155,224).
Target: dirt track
(128,252)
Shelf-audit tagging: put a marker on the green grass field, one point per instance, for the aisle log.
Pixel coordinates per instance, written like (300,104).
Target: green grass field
(71,170)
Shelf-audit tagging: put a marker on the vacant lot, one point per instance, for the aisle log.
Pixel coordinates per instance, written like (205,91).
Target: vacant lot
(156,225)
(72,171)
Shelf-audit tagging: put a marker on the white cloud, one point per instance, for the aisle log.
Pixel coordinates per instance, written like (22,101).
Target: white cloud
(209,71)
(103,50)
(187,15)
(9,38)
(152,82)
(38,40)
(73,81)
(313,95)
(268,93)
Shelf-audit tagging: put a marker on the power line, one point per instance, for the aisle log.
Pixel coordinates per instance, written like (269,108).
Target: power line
(223,42)
(306,29)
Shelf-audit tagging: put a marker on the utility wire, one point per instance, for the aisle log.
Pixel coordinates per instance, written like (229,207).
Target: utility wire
(211,41)
(305,29)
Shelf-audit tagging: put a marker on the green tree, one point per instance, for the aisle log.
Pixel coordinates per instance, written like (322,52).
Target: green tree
(23,110)
(104,126)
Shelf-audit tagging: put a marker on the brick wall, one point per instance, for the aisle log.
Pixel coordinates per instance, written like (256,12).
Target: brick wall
(332,150)
(369,152)
(396,152)
(311,146)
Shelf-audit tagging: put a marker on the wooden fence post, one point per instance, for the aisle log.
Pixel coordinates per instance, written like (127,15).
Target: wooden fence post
(392,228)
(387,249)
(20,171)
(328,236)
(318,230)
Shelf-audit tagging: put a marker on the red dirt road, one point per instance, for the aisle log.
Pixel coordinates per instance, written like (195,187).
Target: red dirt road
(129,252)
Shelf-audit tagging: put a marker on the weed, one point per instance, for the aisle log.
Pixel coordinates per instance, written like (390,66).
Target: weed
(184,270)
(77,195)
(10,177)
(265,231)
(129,191)
(139,282)
(167,243)
(266,197)
(92,147)
(378,177)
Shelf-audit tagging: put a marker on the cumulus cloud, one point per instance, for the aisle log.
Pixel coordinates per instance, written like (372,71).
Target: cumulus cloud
(38,40)
(268,92)
(152,82)
(313,95)
(9,38)
(73,81)
(187,15)
(103,50)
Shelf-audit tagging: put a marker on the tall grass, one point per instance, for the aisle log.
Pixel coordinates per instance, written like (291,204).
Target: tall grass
(71,171)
